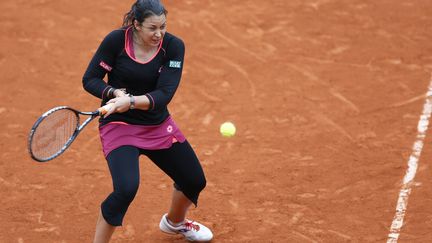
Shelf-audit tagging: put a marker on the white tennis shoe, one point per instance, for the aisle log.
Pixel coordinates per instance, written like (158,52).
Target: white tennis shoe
(193,231)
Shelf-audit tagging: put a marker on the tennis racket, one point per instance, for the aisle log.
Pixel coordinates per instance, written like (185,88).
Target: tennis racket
(56,129)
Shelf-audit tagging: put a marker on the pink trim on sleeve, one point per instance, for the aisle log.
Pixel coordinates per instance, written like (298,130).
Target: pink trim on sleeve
(153,102)
(103,92)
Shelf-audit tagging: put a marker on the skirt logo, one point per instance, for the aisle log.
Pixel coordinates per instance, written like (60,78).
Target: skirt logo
(169,129)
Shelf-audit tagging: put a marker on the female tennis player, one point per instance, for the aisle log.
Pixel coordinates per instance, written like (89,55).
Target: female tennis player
(144,65)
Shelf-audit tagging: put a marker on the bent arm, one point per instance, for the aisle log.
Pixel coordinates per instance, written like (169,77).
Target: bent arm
(169,78)
(102,63)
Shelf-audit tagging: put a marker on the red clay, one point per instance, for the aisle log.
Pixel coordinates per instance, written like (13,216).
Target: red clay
(325,94)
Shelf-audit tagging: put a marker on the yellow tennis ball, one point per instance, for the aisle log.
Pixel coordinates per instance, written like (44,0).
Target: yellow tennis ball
(227,129)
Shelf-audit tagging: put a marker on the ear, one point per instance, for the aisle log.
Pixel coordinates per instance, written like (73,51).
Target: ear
(137,25)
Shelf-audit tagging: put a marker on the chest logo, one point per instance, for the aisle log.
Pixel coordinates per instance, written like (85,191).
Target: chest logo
(175,64)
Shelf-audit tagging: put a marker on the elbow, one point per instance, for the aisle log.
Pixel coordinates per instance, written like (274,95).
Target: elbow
(90,86)
(166,98)
(86,83)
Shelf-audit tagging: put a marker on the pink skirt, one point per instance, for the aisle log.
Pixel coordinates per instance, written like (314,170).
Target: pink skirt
(116,134)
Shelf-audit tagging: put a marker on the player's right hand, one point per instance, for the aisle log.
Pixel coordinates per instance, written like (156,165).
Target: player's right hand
(120,104)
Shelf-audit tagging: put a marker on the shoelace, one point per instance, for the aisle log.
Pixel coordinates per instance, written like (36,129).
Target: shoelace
(190,225)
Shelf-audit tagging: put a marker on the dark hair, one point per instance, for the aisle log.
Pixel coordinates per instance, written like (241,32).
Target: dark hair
(142,9)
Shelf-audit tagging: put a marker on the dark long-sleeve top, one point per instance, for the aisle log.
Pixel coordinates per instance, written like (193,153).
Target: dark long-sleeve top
(158,78)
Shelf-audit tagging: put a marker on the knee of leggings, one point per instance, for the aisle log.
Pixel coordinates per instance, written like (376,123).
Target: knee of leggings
(126,193)
(197,185)
(202,184)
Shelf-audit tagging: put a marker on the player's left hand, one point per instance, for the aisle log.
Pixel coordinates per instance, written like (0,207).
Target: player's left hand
(120,93)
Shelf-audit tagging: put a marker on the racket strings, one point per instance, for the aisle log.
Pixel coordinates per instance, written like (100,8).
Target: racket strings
(53,133)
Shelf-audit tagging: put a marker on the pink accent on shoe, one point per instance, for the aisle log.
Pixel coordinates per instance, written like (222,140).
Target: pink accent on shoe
(191,230)
(190,225)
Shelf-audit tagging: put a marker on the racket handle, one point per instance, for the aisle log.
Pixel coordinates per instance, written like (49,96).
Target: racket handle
(104,109)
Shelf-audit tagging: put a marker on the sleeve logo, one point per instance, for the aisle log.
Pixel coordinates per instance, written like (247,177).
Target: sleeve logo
(175,64)
(105,66)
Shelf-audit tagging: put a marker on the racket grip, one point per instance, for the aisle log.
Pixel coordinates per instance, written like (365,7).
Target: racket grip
(104,109)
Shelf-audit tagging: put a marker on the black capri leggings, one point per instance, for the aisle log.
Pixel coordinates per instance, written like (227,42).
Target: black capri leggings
(179,162)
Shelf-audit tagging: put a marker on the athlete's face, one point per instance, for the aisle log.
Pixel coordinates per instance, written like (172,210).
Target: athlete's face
(152,30)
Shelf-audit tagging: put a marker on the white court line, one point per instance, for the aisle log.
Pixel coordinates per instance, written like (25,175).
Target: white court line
(405,191)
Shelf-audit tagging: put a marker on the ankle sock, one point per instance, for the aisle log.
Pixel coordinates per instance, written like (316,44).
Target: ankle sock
(174,224)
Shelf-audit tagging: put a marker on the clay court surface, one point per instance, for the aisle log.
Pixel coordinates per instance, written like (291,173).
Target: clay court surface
(326,96)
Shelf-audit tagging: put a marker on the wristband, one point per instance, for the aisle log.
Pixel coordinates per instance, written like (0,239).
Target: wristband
(132,102)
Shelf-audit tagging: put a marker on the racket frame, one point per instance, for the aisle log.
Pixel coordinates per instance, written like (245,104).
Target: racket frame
(78,129)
